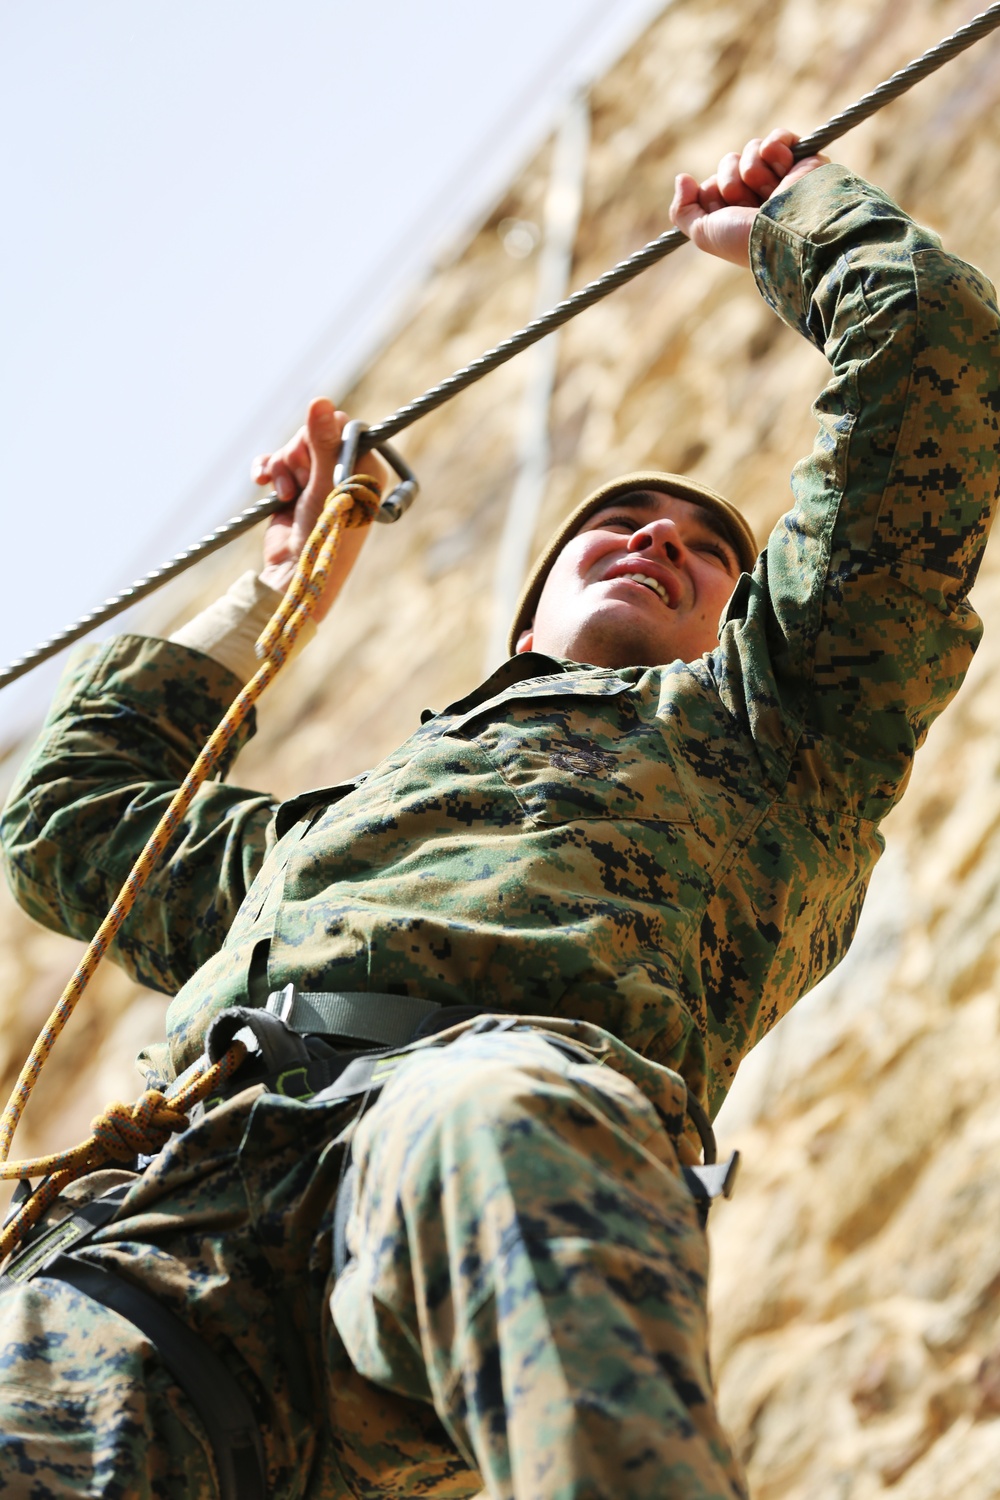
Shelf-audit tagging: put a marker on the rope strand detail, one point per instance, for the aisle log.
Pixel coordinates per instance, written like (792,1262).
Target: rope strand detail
(123,1130)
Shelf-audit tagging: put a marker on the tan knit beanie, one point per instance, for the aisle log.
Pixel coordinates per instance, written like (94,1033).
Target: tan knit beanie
(734,526)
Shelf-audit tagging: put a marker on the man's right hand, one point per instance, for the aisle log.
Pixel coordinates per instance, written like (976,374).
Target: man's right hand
(302,471)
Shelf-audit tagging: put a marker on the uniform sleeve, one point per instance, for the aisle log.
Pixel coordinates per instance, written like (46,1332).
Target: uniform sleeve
(855,630)
(228,628)
(128,722)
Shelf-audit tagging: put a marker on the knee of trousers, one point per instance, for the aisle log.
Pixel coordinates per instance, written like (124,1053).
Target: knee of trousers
(497,1136)
(495,1165)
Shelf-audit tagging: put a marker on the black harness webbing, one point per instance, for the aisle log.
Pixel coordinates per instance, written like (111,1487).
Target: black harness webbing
(386,1020)
(305,1067)
(224,1410)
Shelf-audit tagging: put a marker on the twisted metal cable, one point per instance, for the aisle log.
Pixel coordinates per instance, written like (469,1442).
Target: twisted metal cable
(672,240)
(928,62)
(625,271)
(142,586)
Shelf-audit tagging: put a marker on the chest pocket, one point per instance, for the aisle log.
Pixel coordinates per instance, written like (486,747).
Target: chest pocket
(258,914)
(571,756)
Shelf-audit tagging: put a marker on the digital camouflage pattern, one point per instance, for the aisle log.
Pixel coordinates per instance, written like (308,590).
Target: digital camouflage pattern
(568,1356)
(560,1354)
(673,854)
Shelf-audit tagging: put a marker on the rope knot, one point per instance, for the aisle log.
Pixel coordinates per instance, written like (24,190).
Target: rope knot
(366,493)
(122,1132)
(140,1129)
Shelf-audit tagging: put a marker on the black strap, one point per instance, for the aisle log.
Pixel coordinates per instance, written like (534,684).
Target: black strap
(43,1244)
(209,1385)
(289,1065)
(306,1067)
(363,1016)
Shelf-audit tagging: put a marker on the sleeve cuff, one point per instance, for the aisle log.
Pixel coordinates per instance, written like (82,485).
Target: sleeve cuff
(228,629)
(780,240)
(802,232)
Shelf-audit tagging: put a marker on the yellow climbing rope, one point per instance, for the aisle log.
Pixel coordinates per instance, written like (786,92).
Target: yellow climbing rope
(124,1130)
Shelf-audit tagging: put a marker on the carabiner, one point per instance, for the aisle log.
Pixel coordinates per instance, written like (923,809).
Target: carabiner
(398,500)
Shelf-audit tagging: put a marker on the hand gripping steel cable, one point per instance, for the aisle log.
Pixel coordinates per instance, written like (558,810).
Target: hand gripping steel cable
(124,1131)
(378,436)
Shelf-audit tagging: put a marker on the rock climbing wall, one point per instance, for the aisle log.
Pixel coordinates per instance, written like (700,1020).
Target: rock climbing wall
(855,1304)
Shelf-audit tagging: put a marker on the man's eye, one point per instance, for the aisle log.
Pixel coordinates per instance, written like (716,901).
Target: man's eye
(716,550)
(629,522)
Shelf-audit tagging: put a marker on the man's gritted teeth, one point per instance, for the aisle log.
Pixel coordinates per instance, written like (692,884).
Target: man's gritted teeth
(659,580)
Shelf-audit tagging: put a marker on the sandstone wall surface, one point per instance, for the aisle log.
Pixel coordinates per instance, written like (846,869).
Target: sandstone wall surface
(857,1270)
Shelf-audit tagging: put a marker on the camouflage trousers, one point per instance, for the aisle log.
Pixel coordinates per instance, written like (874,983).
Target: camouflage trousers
(523,1311)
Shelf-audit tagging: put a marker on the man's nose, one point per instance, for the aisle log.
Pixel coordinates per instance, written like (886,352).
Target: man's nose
(659,537)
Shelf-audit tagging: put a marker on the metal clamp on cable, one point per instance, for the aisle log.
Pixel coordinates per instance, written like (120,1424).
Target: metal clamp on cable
(398,500)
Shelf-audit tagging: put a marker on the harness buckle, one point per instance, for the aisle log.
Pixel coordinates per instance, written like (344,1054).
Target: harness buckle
(281,1002)
(399,500)
(710,1181)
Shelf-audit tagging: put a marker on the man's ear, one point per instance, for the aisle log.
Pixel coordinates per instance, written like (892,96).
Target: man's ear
(525,641)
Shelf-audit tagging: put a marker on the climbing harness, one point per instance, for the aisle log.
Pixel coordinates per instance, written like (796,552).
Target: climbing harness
(294,1062)
(294,1030)
(378,436)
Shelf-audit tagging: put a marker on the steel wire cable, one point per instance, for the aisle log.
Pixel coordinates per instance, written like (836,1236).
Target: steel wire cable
(626,270)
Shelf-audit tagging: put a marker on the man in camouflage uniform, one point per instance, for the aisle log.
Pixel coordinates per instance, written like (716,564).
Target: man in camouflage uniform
(653,861)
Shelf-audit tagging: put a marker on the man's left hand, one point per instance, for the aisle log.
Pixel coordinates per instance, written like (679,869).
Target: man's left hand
(717,215)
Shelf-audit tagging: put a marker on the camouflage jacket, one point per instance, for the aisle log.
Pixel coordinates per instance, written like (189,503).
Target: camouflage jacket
(674,853)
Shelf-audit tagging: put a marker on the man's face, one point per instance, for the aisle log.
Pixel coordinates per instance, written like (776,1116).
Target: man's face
(644,581)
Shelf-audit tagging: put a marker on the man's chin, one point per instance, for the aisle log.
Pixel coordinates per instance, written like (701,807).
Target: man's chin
(612,640)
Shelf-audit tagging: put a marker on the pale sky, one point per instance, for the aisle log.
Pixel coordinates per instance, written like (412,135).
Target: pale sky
(178,271)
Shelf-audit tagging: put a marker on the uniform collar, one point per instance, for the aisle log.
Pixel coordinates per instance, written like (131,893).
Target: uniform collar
(515,669)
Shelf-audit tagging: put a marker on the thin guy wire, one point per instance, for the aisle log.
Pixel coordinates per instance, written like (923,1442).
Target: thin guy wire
(625,271)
